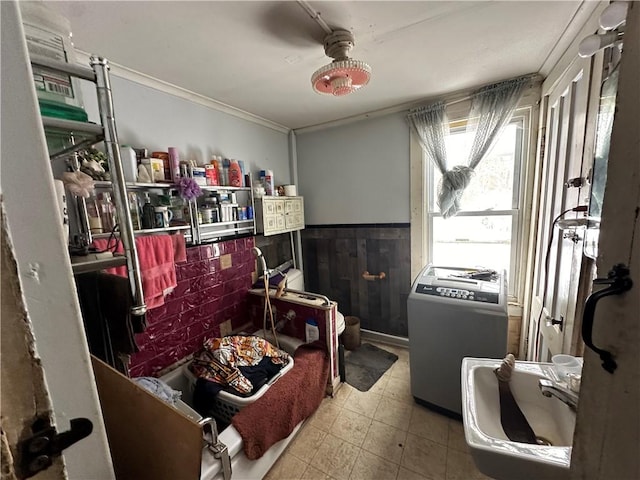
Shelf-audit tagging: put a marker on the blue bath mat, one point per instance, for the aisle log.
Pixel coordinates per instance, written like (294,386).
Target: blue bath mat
(364,366)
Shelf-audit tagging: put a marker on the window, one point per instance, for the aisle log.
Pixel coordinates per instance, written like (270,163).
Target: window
(486,230)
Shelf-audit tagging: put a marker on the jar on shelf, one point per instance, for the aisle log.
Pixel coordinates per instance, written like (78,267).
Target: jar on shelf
(93,213)
(107,212)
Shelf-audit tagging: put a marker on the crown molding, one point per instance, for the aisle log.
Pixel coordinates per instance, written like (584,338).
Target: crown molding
(171,89)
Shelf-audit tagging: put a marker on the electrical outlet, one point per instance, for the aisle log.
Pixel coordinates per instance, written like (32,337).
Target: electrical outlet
(225,328)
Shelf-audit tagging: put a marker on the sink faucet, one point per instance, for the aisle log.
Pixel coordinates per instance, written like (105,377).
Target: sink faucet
(562,393)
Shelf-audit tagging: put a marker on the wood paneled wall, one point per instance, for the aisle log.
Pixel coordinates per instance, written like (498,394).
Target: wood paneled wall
(336,256)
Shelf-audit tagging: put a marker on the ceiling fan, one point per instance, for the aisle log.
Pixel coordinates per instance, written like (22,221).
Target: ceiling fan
(343,75)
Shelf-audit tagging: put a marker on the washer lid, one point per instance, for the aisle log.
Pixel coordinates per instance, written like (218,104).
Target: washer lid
(456,277)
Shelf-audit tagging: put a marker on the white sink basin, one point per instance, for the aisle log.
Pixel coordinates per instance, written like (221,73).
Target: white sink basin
(492,451)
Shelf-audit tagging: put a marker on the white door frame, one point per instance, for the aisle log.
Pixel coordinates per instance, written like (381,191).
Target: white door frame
(44,267)
(566,101)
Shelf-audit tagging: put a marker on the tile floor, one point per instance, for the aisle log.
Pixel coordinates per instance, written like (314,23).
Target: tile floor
(380,434)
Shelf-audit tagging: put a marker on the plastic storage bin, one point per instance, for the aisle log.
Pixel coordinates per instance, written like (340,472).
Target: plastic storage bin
(226,404)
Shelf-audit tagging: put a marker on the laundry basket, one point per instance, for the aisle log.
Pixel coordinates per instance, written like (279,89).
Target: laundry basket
(351,334)
(225,405)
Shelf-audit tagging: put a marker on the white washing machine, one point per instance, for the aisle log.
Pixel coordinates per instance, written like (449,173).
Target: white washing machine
(453,313)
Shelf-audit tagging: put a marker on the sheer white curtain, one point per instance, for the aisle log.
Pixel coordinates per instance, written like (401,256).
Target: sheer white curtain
(491,109)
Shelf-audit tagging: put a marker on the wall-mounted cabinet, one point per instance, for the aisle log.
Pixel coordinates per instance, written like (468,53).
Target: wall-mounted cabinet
(276,215)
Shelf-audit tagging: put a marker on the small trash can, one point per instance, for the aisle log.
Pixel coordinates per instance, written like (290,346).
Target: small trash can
(351,334)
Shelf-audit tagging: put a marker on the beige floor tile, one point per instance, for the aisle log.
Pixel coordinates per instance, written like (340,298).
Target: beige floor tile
(456,436)
(380,385)
(312,473)
(404,474)
(364,403)
(425,457)
(371,467)
(351,427)
(399,389)
(428,424)
(460,466)
(400,369)
(324,417)
(307,442)
(335,457)
(287,467)
(385,441)
(342,394)
(394,413)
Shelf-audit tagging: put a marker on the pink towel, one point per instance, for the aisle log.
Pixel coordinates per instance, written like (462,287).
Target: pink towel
(157,266)
(179,248)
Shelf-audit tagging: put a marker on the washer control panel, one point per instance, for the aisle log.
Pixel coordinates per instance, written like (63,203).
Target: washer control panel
(457,293)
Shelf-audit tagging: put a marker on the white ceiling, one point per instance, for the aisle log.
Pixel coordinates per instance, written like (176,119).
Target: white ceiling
(259,56)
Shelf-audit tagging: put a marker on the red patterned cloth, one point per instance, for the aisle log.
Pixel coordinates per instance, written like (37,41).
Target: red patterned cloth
(220,358)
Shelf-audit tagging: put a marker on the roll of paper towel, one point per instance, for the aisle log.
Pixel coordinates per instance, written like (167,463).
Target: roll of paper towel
(290,190)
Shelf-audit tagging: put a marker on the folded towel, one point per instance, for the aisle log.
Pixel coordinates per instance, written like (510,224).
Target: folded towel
(157,266)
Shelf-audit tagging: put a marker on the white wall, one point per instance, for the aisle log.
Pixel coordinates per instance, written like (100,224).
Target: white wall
(150,118)
(356,173)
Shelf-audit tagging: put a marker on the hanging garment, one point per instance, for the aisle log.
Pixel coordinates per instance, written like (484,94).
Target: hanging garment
(105,301)
(220,359)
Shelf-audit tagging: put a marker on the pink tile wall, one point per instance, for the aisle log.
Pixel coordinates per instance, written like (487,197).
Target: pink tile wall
(212,288)
(293,328)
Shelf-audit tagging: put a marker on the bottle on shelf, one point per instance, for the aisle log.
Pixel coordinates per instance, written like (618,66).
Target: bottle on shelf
(211,171)
(174,164)
(107,212)
(235,174)
(148,213)
(225,171)
(266,177)
(129,163)
(179,209)
(134,210)
(93,211)
(217,164)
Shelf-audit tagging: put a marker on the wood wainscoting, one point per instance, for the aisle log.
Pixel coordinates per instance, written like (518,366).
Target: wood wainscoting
(337,256)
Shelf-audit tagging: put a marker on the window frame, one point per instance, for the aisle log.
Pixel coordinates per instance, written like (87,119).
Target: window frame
(422,222)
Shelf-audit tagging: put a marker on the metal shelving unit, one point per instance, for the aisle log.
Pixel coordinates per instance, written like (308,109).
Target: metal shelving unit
(197,232)
(90,134)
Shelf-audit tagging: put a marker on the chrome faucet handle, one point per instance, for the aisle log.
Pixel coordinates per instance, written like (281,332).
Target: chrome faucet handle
(574,380)
(549,388)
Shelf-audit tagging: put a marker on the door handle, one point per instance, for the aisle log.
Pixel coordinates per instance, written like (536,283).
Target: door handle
(371,277)
(38,451)
(619,282)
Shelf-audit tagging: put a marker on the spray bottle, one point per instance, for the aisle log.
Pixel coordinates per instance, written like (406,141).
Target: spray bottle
(312,333)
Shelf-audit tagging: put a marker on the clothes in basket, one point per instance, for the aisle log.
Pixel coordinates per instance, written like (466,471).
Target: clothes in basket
(227,362)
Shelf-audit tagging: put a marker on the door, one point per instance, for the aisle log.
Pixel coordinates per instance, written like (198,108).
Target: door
(559,251)
(42,263)
(607,432)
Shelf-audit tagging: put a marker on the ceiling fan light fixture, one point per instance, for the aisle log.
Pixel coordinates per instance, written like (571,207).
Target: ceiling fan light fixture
(344,75)
(341,77)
